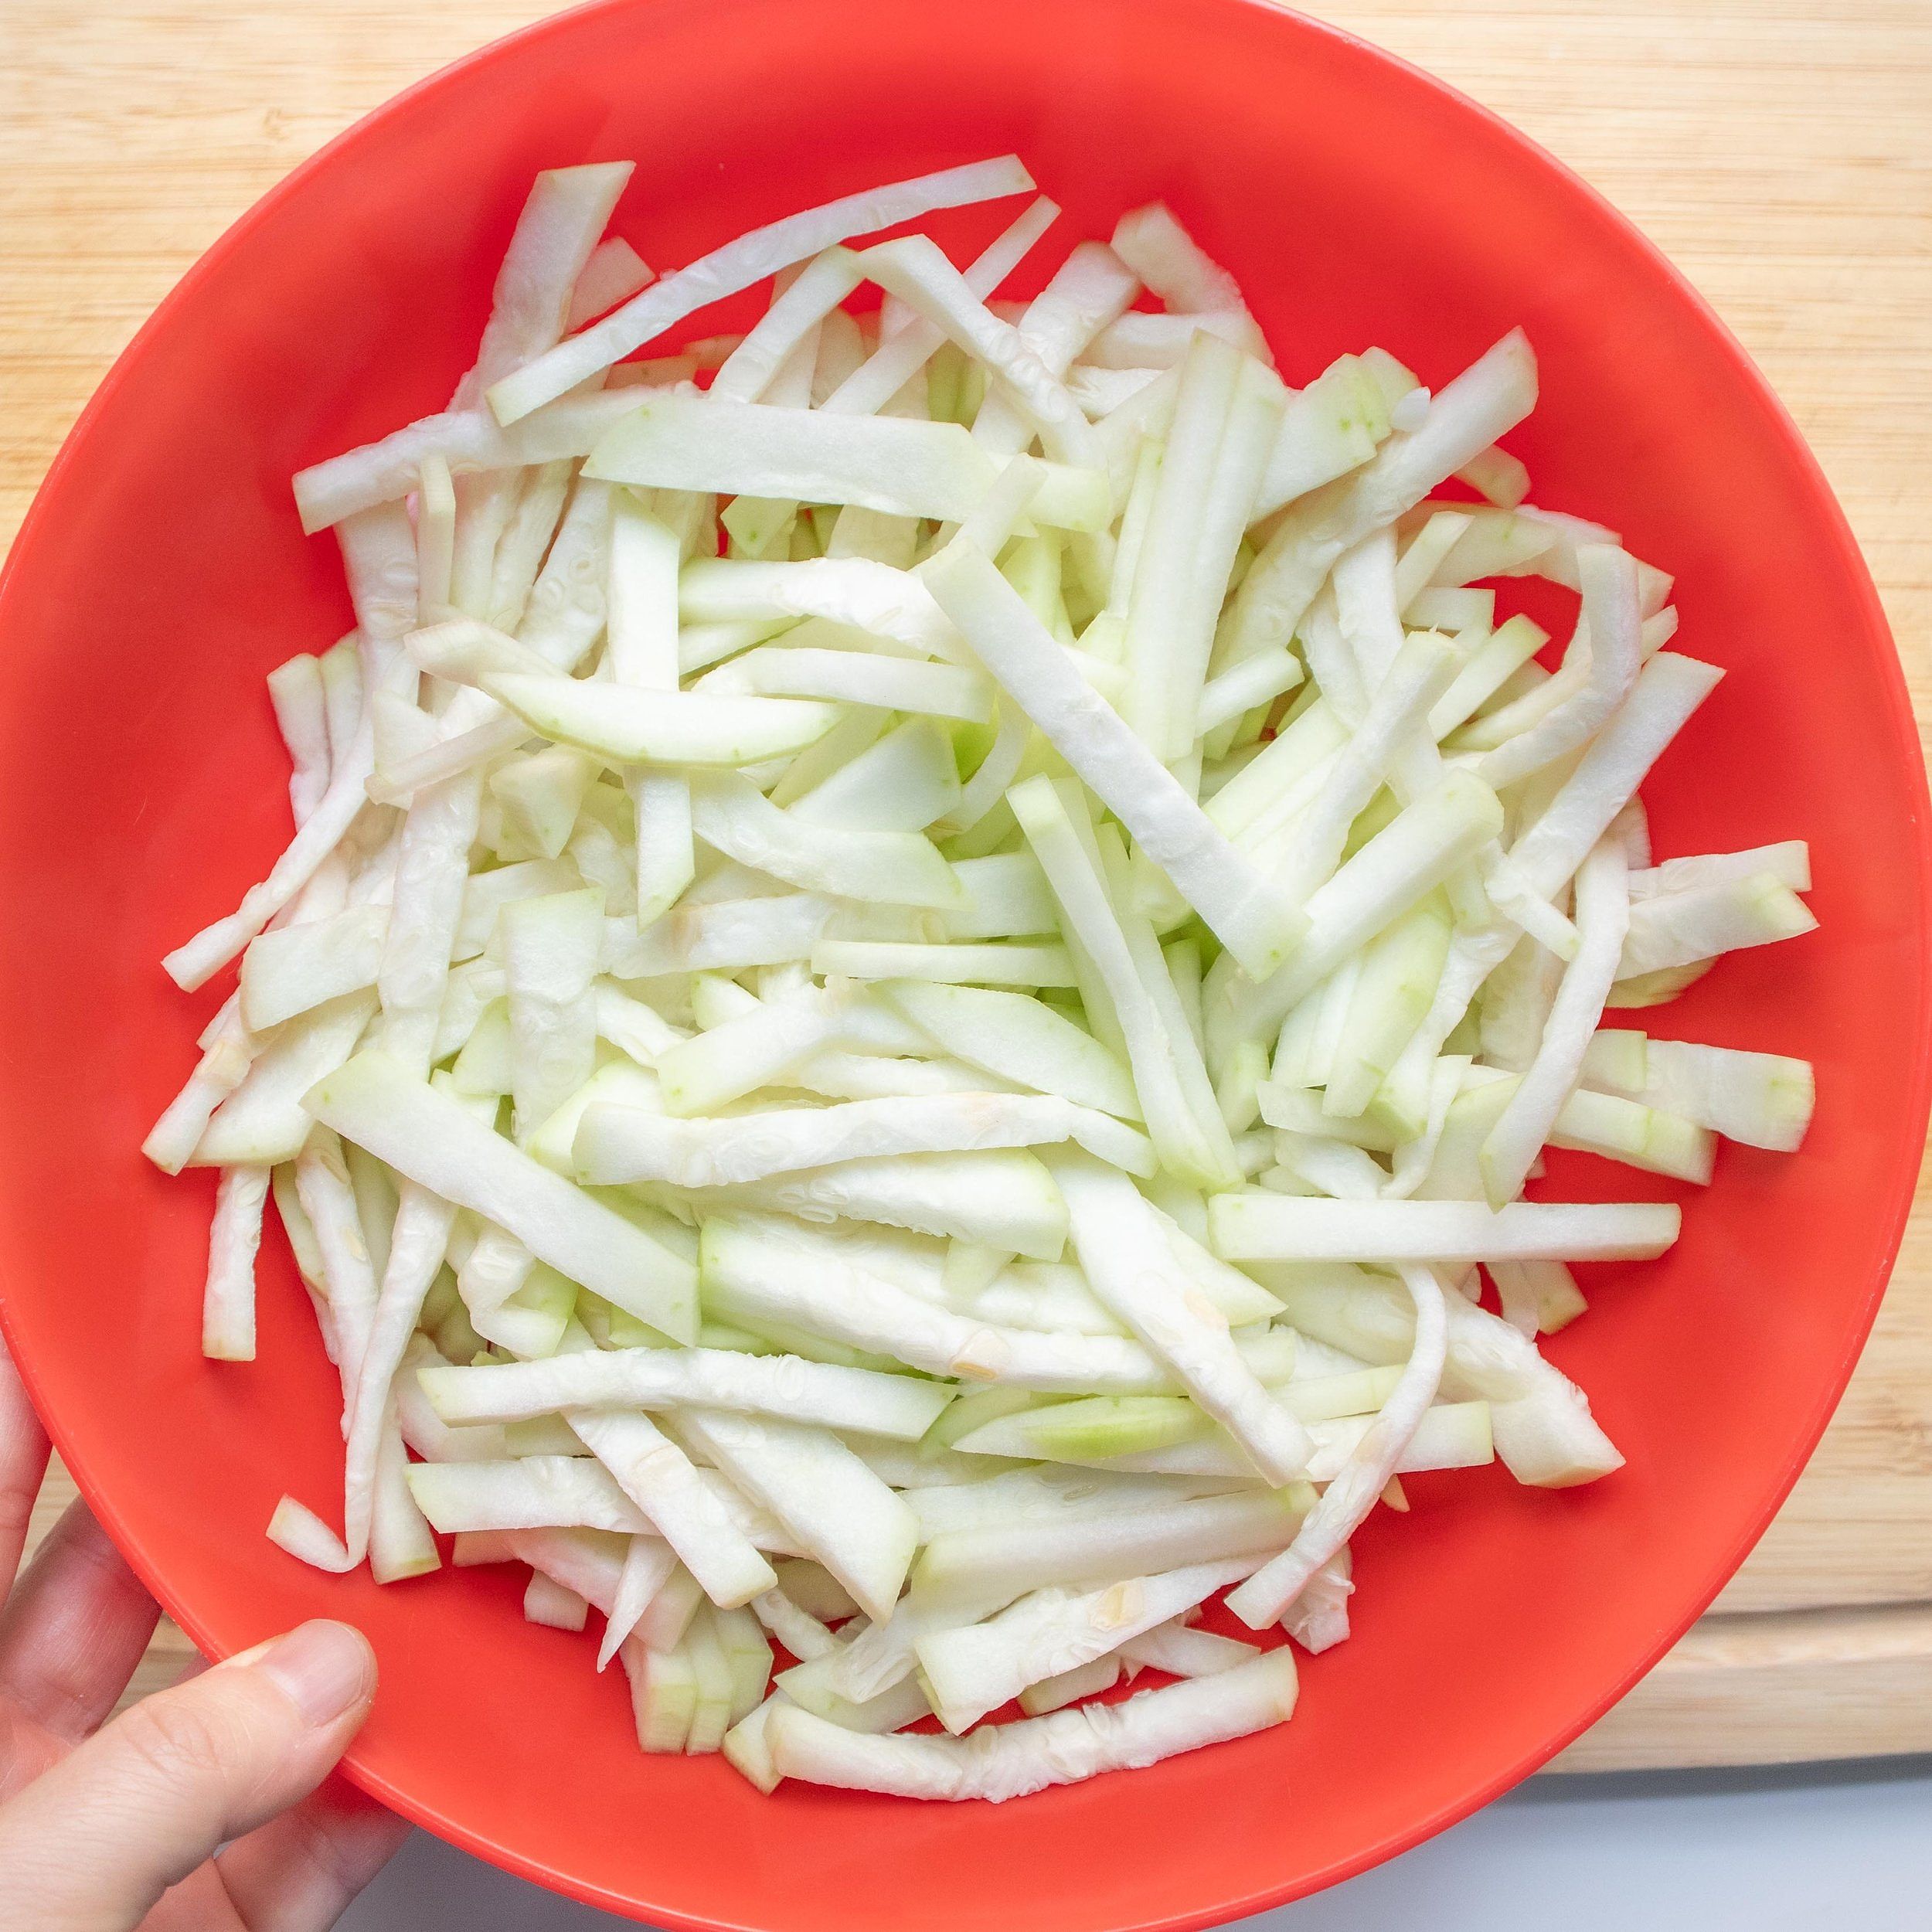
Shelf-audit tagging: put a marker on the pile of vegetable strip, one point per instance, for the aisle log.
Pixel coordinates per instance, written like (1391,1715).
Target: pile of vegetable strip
(926,953)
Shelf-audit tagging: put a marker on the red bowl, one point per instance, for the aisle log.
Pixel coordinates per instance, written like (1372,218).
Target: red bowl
(161,572)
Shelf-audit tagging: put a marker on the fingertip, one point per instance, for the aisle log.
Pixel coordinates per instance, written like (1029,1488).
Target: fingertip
(326,1669)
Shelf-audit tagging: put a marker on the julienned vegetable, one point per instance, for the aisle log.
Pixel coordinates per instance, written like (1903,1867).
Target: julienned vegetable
(916,985)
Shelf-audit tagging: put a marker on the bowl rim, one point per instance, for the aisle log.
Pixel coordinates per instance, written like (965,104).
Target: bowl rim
(1896,1191)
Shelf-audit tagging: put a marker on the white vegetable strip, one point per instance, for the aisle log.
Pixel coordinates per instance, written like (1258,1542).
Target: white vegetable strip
(399,1542)
(1260,1226)
(712,1069)
(295,690)
(1100,391)
(322,1182)
(378,559)
(297,1528)
(291,969)
(1038,1493)
(1397,710)
(616,1146)
(1485,401)
(1348,1499)
(1667,690)
(808,1687)
(901,782)
(1325,434)
(1763,1100)
(551,1605)
(1789,863)
(1237,903)
(858,678)
(642,652)
(430,1139)
(227,1053)
(556,236)
(614,273)
(1188,1142)
(1451,1435)
(661,1479)
(1408,859)
(550,951)
(1530,1117)
(779,1386)
(1089,290)
(1544,1430)
(794,316)
(1123,1248)
(1009,1760)
(975,1668)
(1607,633)
(858,591)
(1182,1652)
(1070,1686)
(495,1269)
(1033,966)
(915,269)
(728,813)
(562,619)
(901,356)
(854,677)
(382,474)
(1019,1038)
(751,258)
(756,1266)
(1679,929)
(520,551)
(1253,419)
(1317,1620)
(1257,681)
(726,937)
(648,1564)
(531,1492)
(823,1494)
(1007,896)
(432,866)
(191,965)
(995,1565)
(589,1562)
(900,465)
(228,1302)
(1165,257)
(670,727)
(418,1241)
(1138,340)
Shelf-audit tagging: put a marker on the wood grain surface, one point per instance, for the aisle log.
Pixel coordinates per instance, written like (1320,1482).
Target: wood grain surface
(1779,150)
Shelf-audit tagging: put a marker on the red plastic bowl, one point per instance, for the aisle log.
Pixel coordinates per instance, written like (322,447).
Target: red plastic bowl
(161,574)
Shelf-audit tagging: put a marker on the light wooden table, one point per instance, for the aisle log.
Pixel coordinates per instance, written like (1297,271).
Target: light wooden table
(1779,150)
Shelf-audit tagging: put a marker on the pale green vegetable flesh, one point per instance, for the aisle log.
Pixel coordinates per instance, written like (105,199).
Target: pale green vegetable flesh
(920,989)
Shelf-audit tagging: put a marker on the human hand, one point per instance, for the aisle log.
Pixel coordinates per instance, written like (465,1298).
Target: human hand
(106,1827)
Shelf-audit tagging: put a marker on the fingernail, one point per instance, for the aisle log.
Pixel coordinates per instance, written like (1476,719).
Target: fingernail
(325,1668)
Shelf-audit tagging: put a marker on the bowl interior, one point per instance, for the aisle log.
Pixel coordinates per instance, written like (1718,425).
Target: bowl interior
(141,789)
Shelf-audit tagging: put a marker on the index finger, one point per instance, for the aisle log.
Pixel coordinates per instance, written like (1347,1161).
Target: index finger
(23,1461)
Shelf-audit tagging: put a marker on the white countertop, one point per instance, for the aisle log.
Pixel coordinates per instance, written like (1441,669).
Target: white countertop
(1844,1847)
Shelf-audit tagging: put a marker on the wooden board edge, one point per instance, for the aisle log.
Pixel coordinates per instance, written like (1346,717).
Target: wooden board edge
(1777,1688)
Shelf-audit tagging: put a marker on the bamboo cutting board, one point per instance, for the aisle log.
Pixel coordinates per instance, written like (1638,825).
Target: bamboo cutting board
(1779,150)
